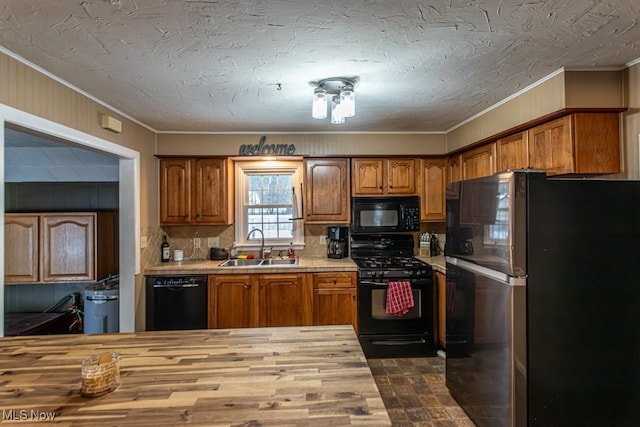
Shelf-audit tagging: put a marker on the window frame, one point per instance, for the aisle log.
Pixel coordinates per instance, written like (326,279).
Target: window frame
(245,168)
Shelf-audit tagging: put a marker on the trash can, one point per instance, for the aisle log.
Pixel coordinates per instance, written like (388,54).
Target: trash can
(101,307)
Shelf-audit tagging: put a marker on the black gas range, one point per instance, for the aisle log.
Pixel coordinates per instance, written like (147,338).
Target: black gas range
(382,259)
(380,267)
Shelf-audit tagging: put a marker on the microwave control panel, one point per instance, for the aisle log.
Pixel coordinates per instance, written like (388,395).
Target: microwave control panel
(412,218)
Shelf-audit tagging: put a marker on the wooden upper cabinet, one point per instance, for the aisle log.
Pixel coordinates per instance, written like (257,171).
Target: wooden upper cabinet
(327,195)
(196,191)
(580,143)
(432,181)
(372,177)
(60,247)
(213,191)
(479,162)
(175,191)
(367,177)
(21,248)
(513,151)
(68,247)
(550,146)
(454,168)
(401,176)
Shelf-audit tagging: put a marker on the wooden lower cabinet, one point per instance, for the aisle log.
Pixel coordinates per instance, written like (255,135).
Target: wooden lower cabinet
(335,299)
(440,298)
(232,301)
(284,300)
(281,299)
(259,300)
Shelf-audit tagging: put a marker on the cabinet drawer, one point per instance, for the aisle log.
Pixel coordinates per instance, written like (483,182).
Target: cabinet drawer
(334,280)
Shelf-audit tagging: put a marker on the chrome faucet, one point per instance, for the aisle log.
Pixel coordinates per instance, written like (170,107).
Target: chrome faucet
(261,240)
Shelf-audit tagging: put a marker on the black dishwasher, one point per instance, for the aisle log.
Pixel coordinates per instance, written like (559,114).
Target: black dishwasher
(176,302)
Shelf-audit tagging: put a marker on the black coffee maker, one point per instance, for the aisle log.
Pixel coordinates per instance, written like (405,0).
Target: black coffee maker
(337,242)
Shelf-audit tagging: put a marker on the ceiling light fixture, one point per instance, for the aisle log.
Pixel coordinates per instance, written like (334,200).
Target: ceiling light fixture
(339,91)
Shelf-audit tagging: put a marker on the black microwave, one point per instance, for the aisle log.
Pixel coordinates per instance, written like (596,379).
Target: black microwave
(385,214)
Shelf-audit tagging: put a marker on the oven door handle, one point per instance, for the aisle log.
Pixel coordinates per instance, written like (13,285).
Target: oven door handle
(368,282)
(414,283)
(399,342)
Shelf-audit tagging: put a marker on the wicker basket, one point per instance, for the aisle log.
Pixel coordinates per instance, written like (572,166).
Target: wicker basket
(100,374)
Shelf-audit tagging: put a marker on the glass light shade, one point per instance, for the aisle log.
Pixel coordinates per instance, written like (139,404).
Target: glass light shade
(337,114)
(348,101)
(319,107)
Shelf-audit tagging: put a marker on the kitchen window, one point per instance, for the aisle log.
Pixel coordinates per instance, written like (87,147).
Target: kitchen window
(265,199)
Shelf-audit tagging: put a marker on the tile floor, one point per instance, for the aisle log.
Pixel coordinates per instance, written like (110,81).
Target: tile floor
(415,394)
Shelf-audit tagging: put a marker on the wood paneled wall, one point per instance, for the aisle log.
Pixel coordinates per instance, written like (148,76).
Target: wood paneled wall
(29,90)
(307,144)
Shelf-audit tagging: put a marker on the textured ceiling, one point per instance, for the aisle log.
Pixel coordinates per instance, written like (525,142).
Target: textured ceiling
(246,66)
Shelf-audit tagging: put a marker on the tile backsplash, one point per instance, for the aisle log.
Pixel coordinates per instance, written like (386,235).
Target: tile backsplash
(182,238)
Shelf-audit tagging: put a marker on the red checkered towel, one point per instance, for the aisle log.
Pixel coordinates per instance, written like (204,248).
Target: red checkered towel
(399,298)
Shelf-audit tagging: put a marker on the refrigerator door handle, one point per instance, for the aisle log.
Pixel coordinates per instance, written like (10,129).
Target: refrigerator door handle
(487,272)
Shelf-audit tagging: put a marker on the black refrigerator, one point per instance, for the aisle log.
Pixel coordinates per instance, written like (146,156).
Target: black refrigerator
(543,300)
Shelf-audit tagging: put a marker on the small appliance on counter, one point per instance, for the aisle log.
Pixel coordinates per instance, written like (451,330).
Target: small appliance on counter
(337,242)
(218,254)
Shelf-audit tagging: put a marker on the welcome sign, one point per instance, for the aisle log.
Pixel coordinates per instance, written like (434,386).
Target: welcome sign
(264,149)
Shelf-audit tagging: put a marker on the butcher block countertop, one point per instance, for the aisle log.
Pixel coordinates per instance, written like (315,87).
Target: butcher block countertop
(307,376)
(305,264)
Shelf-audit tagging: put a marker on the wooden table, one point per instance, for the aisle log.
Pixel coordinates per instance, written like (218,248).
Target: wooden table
(311,376)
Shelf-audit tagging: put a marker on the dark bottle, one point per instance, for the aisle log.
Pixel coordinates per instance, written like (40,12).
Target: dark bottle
(434,245)
(165,254)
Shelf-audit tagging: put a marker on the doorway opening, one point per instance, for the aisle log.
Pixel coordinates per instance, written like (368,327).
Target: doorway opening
(128,162)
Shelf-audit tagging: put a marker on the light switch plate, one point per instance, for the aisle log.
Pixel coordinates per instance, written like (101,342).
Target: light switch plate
(323,240)
(144,242)
(196,243)
(213,242)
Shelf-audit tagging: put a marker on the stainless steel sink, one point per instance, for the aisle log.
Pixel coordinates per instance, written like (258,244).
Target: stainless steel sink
(279,261)
(241,263)
(255,262)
